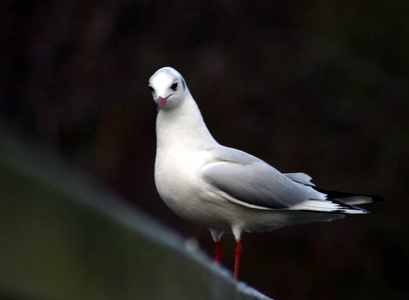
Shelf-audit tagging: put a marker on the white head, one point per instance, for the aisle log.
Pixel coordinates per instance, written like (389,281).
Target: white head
(168,88)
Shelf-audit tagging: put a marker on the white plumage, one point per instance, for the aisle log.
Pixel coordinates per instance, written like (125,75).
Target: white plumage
(224,189)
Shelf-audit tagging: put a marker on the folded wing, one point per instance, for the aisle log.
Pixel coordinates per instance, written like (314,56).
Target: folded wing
(246,180)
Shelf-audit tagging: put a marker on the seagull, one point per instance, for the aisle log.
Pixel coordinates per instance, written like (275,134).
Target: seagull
(224,189)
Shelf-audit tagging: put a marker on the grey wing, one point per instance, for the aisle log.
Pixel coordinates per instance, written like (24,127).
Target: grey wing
(247,180)
(300,178)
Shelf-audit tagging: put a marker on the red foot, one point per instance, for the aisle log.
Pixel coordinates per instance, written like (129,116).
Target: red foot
(217,252)
(237,256)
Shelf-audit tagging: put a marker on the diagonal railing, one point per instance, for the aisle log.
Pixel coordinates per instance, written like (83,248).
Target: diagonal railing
(65,236)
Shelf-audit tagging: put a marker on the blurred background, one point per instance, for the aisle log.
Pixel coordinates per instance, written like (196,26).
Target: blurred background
(317,86)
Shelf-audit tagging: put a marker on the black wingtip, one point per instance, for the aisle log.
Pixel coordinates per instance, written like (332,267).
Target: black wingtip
(340,195)
(376,198)
(345,207)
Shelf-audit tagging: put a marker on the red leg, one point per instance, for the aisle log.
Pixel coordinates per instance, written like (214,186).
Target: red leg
(237,255)
(217,252)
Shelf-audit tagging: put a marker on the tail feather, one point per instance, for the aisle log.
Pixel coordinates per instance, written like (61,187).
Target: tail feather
(338,202)
(349,198)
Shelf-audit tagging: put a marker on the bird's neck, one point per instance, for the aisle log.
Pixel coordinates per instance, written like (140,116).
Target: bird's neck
(183,126)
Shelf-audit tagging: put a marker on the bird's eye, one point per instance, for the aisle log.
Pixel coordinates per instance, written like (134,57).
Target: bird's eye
(151,88)
(174,86)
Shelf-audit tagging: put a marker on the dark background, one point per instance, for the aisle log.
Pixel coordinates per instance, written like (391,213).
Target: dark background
(317,86)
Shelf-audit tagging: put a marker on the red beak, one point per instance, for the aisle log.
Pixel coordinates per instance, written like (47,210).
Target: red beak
(161,102)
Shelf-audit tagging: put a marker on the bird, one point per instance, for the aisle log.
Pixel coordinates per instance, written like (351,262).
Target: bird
(224,189)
